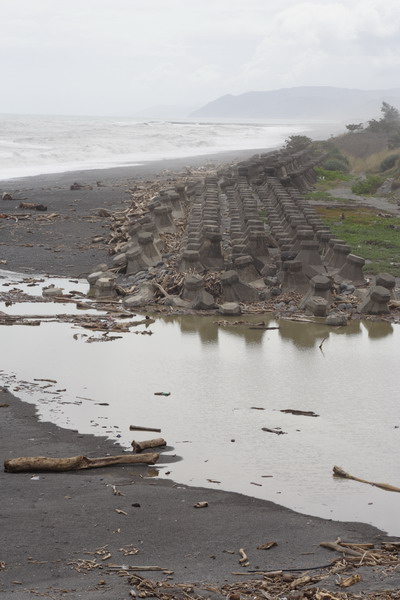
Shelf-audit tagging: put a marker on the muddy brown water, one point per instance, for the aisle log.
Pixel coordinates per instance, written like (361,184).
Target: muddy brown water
(226,383)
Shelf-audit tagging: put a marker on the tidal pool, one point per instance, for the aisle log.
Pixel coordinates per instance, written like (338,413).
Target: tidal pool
(226,384)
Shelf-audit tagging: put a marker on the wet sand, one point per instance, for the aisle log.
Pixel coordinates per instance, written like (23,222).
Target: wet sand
(50,522)
(63,245)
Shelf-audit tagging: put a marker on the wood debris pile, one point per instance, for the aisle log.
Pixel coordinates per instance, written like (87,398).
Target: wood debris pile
(365,554)
(140,197)
(273,586)
(330,582)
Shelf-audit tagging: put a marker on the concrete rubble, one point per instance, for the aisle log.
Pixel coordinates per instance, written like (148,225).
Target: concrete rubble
(239,239)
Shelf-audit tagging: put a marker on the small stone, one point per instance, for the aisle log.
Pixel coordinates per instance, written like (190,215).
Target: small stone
(230,308)
(336,320)
(275,291)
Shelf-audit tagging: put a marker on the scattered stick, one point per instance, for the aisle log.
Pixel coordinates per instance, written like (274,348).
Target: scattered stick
(139,428)
(267,546)
(305,413)
(344,550)
(339,472)
(265,573)
(244,560)
(74,463)
(263,327)
(32,206)
(277,431)
(135,568)
(320,346)
(300,581)
(357,546)
(348,581)
(140,446)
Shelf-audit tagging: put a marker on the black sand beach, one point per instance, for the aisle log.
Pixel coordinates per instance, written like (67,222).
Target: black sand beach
(63,245)
(52,522)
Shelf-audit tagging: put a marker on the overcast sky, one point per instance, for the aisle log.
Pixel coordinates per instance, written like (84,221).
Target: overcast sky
(114,57)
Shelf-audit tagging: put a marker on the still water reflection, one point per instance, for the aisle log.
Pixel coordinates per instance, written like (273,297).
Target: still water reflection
(217,374)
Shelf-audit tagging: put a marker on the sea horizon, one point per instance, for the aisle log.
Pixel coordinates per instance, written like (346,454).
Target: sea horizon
(46,144)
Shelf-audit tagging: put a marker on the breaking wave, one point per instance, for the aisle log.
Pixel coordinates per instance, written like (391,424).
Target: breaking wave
(33,145)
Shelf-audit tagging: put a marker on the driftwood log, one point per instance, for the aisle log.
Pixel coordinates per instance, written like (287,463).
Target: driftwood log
(155,443)
(75,463)
(343,549)
(140,428)
(339,472)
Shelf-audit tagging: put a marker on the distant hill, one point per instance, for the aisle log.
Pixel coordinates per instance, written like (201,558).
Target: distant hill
(309,103)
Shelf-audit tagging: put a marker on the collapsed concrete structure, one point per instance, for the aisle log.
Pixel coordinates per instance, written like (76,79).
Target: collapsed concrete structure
(244,234)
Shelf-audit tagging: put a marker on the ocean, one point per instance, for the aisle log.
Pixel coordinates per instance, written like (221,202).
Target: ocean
(35,145)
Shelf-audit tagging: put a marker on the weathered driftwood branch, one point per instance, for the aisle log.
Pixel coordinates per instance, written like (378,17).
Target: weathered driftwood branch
(277,431)
(339,472)
(136,568)
(344,550)
(74,463)
(139,428)
(155,443)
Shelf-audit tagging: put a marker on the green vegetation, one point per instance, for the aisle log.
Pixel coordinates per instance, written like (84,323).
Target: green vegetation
(367,186)
(336,164)
(394,140)
(318,195)
(363,150)
(354,127)
(366,147)
(328,179)
(329,175)
(389,162)
(388,124)
(296,143)
(375,238)
(389,121)
(334,159)
(324,196)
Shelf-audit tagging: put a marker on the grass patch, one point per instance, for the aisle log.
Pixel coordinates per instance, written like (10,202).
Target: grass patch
(318,195)
(367,186)
(329,179)
(323,196)
(329,175)
(375,238)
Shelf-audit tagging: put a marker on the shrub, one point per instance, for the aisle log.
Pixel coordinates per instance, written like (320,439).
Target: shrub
(355,127)
(296,143)
(389,162)
(394,140)
(367,186)
(336,164)
(329,175)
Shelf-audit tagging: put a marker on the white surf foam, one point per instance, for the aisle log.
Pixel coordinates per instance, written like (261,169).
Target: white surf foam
(34,145)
